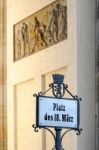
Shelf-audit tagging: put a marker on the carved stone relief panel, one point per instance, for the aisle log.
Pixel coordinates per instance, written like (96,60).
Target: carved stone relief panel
(42,29)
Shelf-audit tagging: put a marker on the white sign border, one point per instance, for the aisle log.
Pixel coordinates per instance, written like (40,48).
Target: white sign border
(37,112)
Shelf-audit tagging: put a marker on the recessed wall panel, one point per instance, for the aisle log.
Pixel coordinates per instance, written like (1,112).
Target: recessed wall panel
(25,137)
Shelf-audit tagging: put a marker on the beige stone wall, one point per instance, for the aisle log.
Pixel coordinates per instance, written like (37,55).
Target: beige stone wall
(3,107)
(33,74)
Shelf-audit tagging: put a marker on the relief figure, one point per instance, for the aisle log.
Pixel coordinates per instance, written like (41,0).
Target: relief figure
(25,38)
(39,35)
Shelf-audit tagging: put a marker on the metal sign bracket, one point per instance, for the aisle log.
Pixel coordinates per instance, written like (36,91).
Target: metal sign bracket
(58,89)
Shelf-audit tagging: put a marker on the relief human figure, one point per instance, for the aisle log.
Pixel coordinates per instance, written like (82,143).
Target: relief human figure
(62,23)
(47,37)
(50,38)
(18,44)
(39,39)
(65,20)
(25,38)
(53,24)
(57,26)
